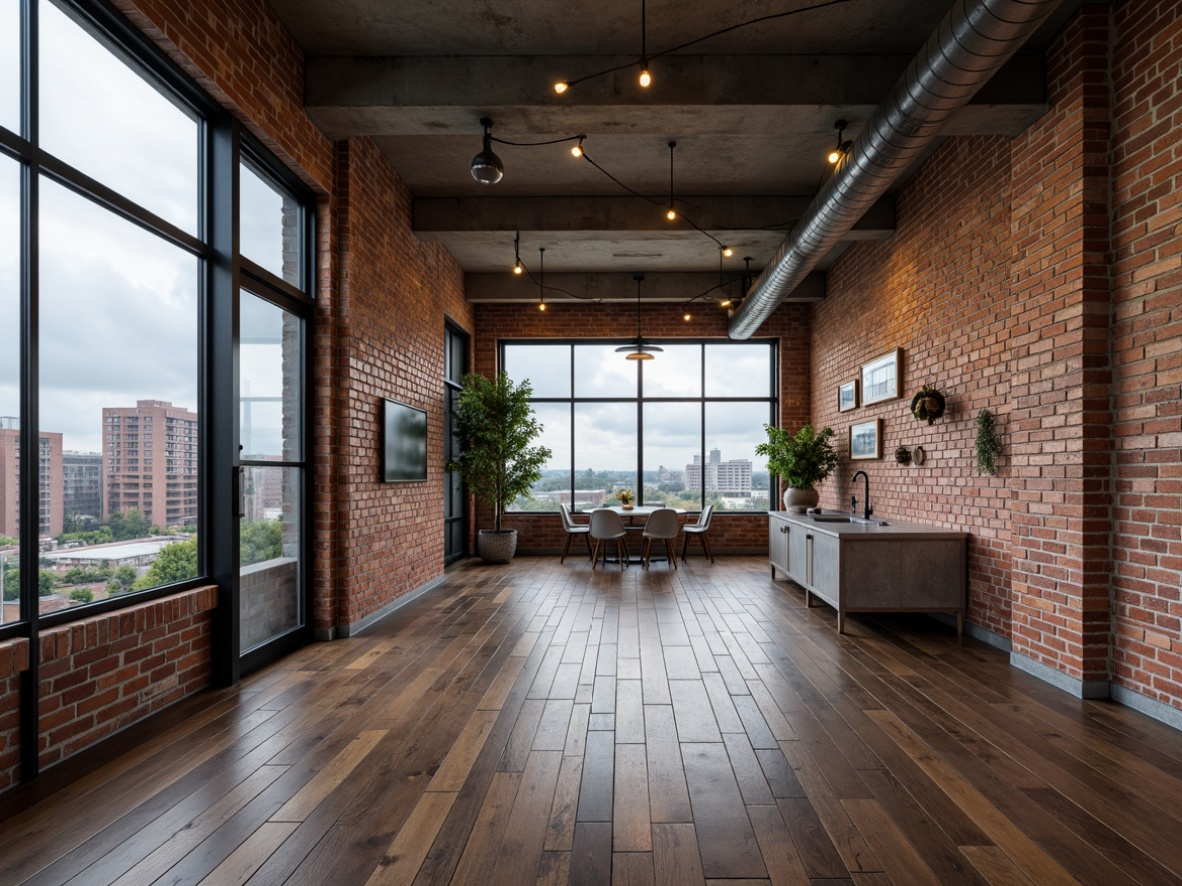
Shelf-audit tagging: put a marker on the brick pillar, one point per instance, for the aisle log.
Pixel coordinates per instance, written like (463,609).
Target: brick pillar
(1059,444)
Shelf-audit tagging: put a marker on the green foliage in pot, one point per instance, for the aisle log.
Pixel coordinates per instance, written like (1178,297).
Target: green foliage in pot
(802,460)
(988,443)
(494,427)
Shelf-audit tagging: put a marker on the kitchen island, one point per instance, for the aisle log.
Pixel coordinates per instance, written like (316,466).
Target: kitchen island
(858,565)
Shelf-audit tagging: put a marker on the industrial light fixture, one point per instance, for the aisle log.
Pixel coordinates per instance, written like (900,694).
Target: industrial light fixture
(542,278)
(518,268)
(487,167)
(645,78)
(842,146)
(638,351)
(671,214)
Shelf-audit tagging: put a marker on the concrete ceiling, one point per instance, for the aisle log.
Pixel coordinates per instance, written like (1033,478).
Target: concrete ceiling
(752,113)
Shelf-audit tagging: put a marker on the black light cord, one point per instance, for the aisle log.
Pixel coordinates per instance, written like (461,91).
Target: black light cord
(697,40)
(553,141)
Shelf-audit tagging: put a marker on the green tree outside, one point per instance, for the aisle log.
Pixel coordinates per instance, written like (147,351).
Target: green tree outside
(175,562)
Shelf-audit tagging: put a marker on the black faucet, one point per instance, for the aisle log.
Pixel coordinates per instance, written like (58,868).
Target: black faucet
(867,508)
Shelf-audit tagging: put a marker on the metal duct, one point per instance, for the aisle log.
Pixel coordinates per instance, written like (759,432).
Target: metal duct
(972,42)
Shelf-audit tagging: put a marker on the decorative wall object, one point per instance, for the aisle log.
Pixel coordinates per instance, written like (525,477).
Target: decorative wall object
(903,455)
(988,443)
(847,396)
(881,377)
(866,440)
(928,404)
(918,455)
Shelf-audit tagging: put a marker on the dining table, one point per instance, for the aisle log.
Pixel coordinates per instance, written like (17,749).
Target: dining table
(631,525)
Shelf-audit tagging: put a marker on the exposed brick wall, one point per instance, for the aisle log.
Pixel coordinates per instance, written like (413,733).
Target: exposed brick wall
(104,673)
(1059,364)
(789,325)
(938,289)
(14,658)
(1147,347)
(395,293)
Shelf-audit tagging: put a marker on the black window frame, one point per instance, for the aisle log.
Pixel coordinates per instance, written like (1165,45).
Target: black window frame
(772,399)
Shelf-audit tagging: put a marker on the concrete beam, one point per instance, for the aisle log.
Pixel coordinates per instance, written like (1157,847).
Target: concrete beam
(505,288)
(446,218)
(411,95)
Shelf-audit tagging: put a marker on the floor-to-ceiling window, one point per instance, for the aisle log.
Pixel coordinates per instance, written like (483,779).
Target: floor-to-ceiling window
(680,429)
(146,244)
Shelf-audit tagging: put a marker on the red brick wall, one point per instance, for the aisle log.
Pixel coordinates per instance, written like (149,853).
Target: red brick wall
(789,325)
(1146,269)
(1060,366)
(104,673)
(938,289)
(395,293)
(14,658)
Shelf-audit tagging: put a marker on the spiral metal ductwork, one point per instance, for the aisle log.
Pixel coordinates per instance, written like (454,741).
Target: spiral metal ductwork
(972,42)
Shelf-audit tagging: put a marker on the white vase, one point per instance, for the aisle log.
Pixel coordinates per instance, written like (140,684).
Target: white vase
(800,500)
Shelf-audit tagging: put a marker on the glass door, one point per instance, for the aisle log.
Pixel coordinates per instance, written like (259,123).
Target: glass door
(271,473)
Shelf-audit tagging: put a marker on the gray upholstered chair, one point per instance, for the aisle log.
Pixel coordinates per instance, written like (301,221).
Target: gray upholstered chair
(699,529)
(660,526)
(606,526)
(572,529)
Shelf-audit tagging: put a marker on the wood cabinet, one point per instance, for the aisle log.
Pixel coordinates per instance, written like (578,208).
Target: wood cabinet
(868,567)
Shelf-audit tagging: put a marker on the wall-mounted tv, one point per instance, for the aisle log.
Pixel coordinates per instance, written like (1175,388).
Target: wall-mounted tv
(404,443)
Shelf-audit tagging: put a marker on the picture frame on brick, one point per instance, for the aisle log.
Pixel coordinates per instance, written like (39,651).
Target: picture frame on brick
(882,377)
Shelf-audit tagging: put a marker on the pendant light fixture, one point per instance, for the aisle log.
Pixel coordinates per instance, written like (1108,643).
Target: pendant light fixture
(638,351)
(645,77)
(671,213)
(842,146)
(487,167)
(518,268)
(542,278)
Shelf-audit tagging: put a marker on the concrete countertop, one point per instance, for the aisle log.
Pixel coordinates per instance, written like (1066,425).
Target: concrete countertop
(895,530)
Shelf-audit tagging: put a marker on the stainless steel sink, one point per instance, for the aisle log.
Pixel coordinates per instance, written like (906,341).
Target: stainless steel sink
(830,518)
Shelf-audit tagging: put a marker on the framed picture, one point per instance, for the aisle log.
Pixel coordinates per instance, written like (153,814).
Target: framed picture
(866,439)
(847,396)
(880,378)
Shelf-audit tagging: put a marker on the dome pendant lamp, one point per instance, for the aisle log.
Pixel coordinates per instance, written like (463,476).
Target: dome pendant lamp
(487,167)
(638,351)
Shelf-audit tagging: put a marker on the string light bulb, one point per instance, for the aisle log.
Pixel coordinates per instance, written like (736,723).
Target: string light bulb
(842,146)
(542,279)
(687,316)
(577,150)
(561,86)
(670,214)
(518,267)
(646,79)
(727,251)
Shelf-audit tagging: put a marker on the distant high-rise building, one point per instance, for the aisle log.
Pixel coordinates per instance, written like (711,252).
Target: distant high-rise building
(731,477)
(150,462)
(49,480)
(82,484)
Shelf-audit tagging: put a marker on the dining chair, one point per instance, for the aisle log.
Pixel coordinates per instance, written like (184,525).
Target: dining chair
(572,529)
(660,526)
(699,529)
(606,526)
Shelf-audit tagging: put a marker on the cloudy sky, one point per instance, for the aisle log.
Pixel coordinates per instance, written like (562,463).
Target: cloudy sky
(119,305)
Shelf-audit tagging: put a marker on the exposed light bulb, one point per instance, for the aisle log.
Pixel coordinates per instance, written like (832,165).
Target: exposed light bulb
(725,303)
(727,251)
(517,269)
(834,156)
(561,86)
(687,316)
(646,78)
(671,215)
(577,150)
(542,306)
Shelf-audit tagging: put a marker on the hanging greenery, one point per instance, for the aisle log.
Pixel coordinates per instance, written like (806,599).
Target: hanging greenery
(988,443)
(928,405)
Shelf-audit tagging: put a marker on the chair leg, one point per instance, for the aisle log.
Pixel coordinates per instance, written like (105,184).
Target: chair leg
(645,552)
(684,545)
(565,550)
(587,539)
(595,555)
(670,553)
(623,547)
(706,545)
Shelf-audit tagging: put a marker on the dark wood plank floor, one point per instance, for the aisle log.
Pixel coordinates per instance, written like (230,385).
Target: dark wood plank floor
(548,724)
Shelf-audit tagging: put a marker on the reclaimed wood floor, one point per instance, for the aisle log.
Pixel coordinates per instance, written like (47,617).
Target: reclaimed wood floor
(548,724)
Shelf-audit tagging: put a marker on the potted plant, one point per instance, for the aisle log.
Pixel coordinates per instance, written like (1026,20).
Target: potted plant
(801,460)
(494,426)
(626,497)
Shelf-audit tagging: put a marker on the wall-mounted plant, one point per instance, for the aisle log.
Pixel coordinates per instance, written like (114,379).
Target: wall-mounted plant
(988,443)
(928,405)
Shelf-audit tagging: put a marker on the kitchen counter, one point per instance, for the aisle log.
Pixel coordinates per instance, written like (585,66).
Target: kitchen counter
(870,566)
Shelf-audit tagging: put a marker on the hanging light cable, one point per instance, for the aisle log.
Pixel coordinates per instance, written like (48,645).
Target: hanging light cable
(517,266)
(541,278)
(638,351)
(645,78)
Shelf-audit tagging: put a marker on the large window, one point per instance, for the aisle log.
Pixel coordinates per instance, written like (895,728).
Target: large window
(117,282)
(680,429)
